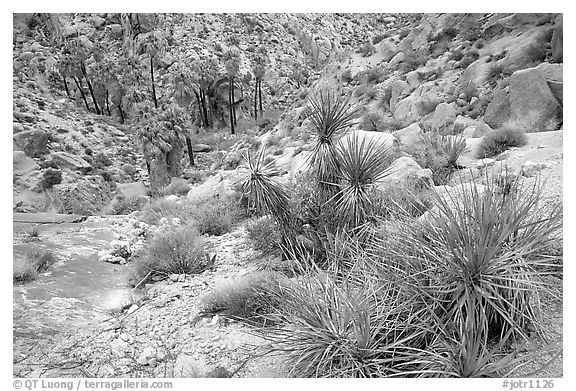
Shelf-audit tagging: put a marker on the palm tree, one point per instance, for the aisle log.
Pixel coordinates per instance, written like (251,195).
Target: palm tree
(259,69)
(232,64)
(153,44)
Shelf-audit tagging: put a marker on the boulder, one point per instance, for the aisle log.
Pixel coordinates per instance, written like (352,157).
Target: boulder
(388,49)
(407,173)
(397,59)
(26,56)
(222,184)
(98,21)
(498,110)
(383,140)
(413,79)
(399,90)
(532,103)
(33,142)
(201,148)
(557,40)
(469,127)
(409,135)
(70,161)
(17,127)
(88,195)
(554,76)
(407,111)
(444,115)
(530,168)
(22,164)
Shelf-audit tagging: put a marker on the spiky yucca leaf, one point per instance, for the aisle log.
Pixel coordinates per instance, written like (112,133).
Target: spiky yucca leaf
(331,115)
(362,163)
(263,192)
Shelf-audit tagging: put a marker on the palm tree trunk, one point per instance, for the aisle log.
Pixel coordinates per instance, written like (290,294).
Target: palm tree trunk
(233,104)
(107,104)
(90,88)
(230,107)
(260,94)
(190,151)
(79,85)
(66,86)
(202,122)
(152,76)
(204,109)
(256,100)
(122,118)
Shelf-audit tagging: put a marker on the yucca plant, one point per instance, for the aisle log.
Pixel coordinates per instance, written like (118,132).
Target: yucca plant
(483,254)
(362,163)
(333,328)
(331,114)
(264,193)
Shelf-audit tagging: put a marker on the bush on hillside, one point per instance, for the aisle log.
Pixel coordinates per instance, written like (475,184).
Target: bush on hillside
(498,141)
(177,250)
(50,177)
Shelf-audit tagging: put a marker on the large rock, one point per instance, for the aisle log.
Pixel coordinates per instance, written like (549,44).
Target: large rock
(33,142)
(408,136)
(22,164)
(70,161)
(532,103)
(382,140)
(222,185)
(405,172)
(86,196)
(388,49)
(397,59)
(557,40)
(469,127)
(554,76)
(498,110)
(407,111)
(444,115)
(399,90)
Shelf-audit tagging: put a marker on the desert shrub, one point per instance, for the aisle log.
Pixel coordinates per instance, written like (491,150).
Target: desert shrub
(367,49)
(372,121)
(470,89)
(480,43)
(375,75)
(101,161)
(498,141)
(127,205)
(50,177)
(347,76)
(488,248)
(379,38)
(469,58)
(536,51)
(215,216)
(264,235)
(49,164)
(341,329)
(36,261)
(250,298)
(412,61)
(179,249)
(107,176)
(32,235)
(456,55)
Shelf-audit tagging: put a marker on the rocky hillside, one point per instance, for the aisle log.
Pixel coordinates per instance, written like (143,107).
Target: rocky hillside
(152,117)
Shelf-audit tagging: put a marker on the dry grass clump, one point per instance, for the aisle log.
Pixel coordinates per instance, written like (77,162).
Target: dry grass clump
(500,140)
(176,250)
(250,298)
(36,261)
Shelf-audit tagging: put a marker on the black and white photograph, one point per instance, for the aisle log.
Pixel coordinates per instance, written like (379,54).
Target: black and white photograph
(287,195)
